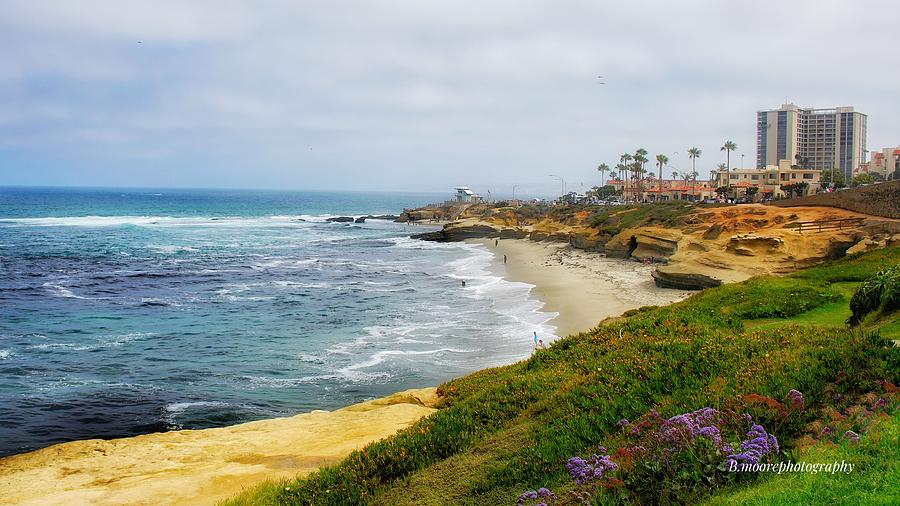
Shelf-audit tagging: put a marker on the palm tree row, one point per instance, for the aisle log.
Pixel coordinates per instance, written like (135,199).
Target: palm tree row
(633,166)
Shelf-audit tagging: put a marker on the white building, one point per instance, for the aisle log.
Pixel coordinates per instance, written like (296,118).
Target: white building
(821,139)
(465,194)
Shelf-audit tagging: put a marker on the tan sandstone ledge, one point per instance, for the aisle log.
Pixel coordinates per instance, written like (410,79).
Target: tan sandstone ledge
(203,466)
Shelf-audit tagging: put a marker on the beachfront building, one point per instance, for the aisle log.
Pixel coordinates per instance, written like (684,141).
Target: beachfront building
(821,139)
(665,190)
(884,163)
(769,180)
(465,194)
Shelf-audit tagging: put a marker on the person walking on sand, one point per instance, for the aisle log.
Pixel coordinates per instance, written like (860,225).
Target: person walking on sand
(504,259)
(535,340)
(496,242)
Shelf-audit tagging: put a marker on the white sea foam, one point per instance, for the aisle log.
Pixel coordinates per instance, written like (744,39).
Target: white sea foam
(5,354)
(171,248)
(108,341)
(382,356)
(61,291)
(410,243)
(176,408)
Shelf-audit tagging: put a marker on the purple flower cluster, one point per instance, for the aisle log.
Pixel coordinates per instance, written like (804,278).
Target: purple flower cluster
(530,496)
(590,470)
(795,399)
(758,444)
(686,428)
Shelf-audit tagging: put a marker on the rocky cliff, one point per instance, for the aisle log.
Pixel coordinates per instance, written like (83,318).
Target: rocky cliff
(695,247)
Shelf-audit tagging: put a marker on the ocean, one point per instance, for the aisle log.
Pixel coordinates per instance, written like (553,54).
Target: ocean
(128,311)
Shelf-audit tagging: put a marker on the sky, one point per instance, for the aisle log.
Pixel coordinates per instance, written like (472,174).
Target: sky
(418,95)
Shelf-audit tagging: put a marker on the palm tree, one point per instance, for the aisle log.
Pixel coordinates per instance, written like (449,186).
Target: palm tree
(715,174)
(728,147)
(693,154)
(661,161)
(640,159)
(603,168)
(625,158)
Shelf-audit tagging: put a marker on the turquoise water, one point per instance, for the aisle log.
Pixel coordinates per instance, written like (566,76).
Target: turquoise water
(130,311)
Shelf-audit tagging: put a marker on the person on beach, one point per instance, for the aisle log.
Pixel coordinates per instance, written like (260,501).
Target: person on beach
(464,283)
(496,242)
(504,259)
(540,345)
(535,339)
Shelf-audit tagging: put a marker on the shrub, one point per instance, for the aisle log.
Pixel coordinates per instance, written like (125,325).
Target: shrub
(880,293)
(675,460)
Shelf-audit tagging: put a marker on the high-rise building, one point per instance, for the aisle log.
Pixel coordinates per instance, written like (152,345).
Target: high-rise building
(822,139)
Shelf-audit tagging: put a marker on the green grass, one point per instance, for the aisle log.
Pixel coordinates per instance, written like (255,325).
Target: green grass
(509,429)
(873,480)
(613,220)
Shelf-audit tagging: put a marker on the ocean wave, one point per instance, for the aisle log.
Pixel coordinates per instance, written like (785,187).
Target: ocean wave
(61,291)
(6,354)
(176,408)
(417,244)
(100,342)
(171,248)
(380,357)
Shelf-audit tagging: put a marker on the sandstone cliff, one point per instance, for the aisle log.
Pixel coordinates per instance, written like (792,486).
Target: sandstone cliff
(696,247)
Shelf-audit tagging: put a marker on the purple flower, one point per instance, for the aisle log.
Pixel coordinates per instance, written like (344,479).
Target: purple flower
(712,433)
(593,469)
(851,436)
(623,422)
(880,403)
(758,444)
(534,495)
(795,399)
(826,431)
(683,430)
(545,493)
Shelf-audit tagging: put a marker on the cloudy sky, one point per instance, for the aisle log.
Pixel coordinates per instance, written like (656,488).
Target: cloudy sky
(418,94)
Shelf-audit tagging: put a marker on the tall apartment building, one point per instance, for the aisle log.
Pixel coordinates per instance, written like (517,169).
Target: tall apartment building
(822,139)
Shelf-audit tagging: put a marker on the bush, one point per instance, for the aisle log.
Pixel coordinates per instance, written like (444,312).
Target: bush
(880,293)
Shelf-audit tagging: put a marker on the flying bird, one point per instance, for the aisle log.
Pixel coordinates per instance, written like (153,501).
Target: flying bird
(601,80)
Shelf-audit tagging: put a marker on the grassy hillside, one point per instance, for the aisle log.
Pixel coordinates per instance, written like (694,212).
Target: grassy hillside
(736,348)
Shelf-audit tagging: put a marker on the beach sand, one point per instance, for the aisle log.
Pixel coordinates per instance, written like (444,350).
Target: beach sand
(201,467)
(583,287)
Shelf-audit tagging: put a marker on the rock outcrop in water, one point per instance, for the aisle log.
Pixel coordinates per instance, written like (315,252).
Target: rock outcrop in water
(703,247)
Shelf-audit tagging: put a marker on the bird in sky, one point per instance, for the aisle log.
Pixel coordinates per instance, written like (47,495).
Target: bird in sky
(601,80)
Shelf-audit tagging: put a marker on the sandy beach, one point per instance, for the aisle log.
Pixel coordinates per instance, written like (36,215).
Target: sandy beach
(583,287)
(201,467)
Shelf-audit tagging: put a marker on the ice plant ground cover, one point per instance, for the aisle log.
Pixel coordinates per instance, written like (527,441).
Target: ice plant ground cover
(675,460)
(509,429)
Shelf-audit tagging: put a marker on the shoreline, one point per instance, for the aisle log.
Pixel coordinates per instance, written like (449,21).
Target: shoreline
(208,465)
(203,466)
(605,287)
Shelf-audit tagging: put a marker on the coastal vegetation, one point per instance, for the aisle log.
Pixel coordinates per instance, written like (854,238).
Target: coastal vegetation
(743,365)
